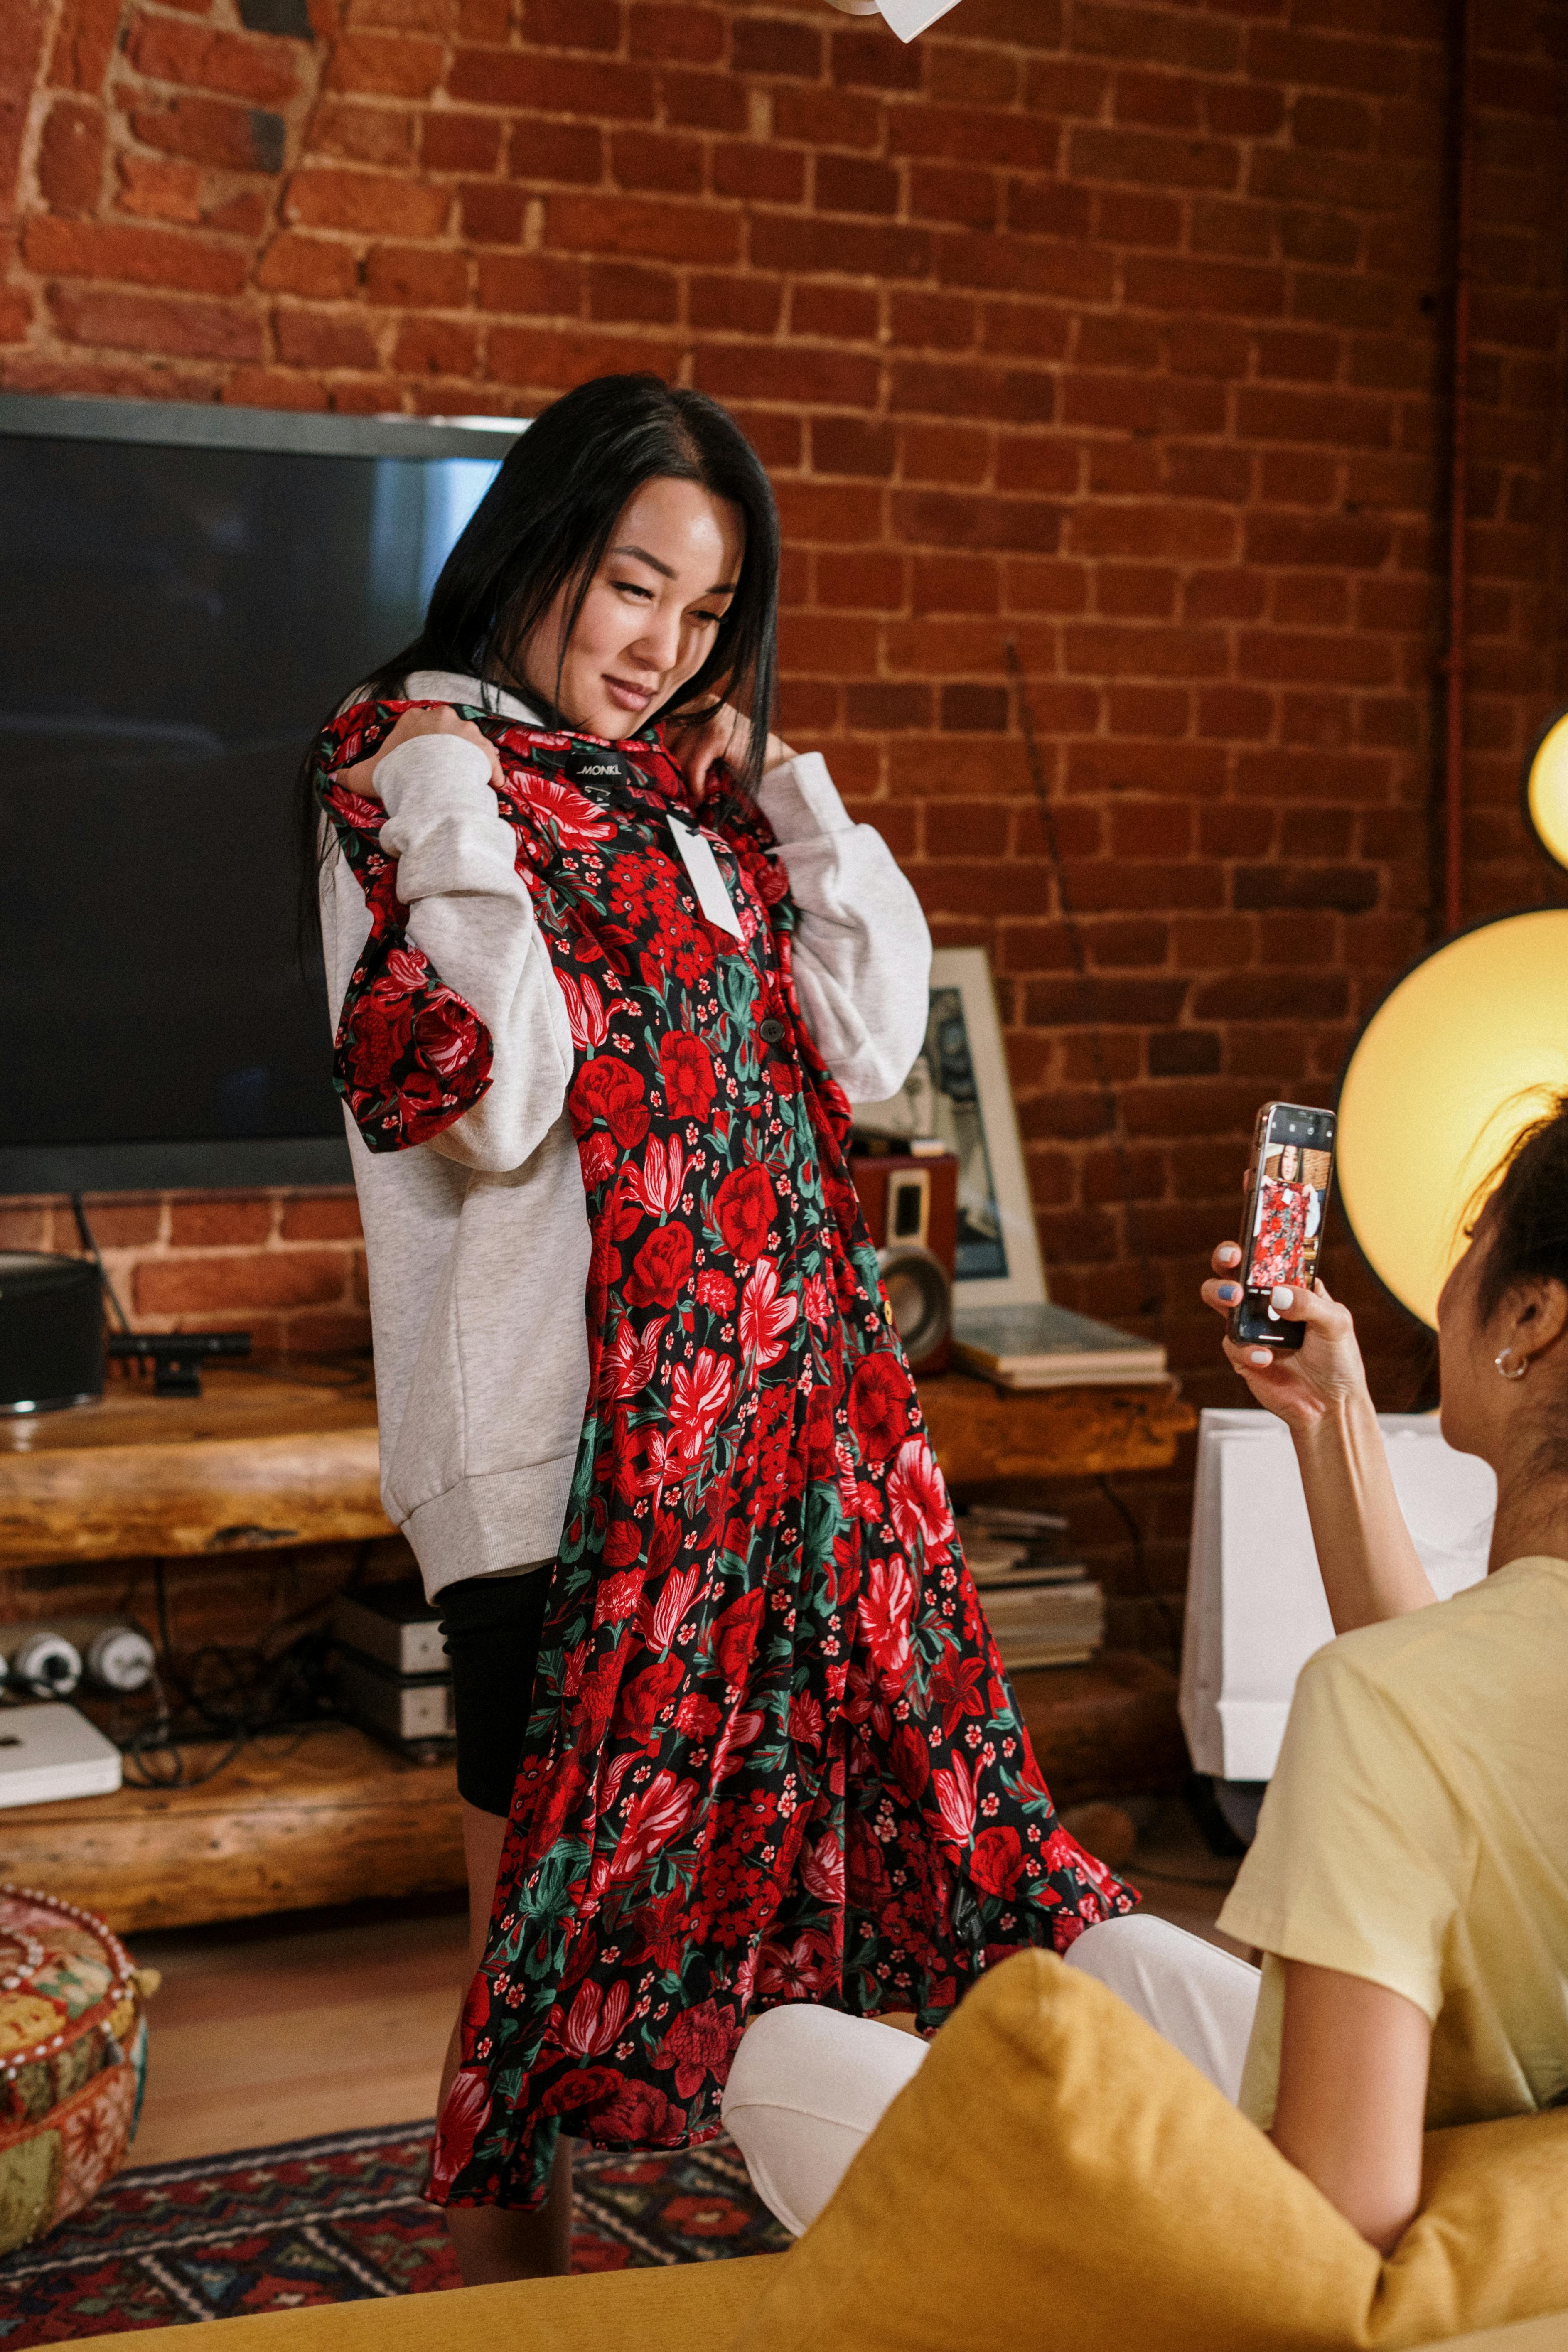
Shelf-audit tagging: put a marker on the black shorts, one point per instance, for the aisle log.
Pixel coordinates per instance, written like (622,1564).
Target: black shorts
(491,1625)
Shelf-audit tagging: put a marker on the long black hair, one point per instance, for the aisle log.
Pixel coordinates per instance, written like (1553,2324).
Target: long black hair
(544,526)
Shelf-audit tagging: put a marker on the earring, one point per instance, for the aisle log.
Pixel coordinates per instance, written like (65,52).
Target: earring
(1519,1371)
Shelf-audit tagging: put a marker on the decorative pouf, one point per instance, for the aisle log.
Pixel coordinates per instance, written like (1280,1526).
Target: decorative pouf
(73,2060)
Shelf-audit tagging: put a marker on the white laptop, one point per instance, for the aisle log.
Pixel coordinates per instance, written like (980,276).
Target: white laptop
(49,1751)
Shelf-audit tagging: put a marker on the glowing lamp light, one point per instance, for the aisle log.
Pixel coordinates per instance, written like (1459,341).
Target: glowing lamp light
(1458,1058)
(1546,790)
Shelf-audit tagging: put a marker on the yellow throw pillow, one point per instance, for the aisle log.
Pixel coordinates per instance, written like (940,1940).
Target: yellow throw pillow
(1057,2173)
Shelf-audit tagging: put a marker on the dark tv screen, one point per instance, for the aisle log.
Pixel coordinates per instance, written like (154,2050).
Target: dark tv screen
(180,616)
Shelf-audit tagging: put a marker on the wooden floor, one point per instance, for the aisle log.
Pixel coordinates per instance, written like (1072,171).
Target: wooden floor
(279,2029)
(311,2021)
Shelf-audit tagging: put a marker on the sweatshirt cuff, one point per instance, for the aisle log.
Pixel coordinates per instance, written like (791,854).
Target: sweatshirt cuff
(429,761)
(800,800)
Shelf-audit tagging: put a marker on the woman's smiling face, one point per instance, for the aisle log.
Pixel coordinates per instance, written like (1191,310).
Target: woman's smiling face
(651,617)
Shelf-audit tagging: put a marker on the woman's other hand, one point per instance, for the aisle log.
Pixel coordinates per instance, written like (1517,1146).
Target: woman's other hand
(1299,1385)
(699,745)
(425,718)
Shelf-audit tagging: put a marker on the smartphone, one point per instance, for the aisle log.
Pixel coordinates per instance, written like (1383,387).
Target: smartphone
(1282,1223)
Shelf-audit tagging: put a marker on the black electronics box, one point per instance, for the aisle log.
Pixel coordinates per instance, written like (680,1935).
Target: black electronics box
(51,1331)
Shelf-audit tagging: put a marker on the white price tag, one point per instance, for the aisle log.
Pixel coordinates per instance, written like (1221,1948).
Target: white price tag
(705,879)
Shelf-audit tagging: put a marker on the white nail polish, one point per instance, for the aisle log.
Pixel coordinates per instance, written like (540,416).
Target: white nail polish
(1262,1356)
(1281,1294)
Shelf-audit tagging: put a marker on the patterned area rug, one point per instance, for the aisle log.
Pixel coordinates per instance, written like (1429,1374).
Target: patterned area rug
(337,2220)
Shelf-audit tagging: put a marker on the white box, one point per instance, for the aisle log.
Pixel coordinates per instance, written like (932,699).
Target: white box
(1256,1608)
(49,1751)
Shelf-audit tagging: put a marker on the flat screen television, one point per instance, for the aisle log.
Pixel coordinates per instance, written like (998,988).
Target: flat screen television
(186,593)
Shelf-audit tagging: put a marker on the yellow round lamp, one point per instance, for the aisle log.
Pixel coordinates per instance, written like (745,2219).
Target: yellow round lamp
(1546,790)
(1460,1056)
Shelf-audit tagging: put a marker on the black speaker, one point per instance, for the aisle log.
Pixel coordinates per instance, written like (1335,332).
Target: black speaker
(51,1331)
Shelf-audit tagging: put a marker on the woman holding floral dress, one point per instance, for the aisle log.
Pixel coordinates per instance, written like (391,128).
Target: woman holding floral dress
(607,962)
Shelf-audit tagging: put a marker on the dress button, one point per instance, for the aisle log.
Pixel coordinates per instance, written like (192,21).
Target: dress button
(772,1030)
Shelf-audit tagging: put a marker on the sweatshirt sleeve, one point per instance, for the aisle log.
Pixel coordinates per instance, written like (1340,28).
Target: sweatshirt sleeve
(861,950)
(494,1041)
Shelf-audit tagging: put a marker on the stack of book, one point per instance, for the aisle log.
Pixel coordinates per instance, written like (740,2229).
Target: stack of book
(1043,1609)
(1047,1347)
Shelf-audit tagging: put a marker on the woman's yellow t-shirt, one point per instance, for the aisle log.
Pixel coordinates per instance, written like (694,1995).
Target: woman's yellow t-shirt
(1416,1834)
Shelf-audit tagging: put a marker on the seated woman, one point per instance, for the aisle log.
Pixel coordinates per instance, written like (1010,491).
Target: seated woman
(1408,1887)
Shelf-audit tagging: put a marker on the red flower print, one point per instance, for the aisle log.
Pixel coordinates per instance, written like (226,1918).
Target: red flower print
(447,1032)
(594,2021)
(699,1396)
(660,1267)
(609,1090)
(654,1820)
(806,1721)
(646,1696)
(628,1363)
(716,1290)
(954,1793)
(880,1405)
(997,1859)
(698,1717)
(910,1758)
(745,1206)
(686,1067)
(623,1544)
(584,2090)
(765,1315)
(735,1636)
(803,1971)
(698,2043)
(887,1605)
(657,1184)
(674,1597)
(821,1872)
(585,1015)
(575,822)
(918,1498)
(639,2115)
(617,1596)
(598,1155)
(462,2119)
(820,1435)
(377,1038)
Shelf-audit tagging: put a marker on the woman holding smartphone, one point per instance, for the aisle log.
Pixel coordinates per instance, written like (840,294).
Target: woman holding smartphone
(605,958)
(1408,1886)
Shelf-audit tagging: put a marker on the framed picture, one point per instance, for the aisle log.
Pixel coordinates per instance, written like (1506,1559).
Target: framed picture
(959,1091)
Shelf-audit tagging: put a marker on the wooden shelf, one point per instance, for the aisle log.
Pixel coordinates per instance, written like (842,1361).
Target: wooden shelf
(334,1817)
(329,1818)
(265,1459)
(259,1461)
(268,1459)
(982,1435)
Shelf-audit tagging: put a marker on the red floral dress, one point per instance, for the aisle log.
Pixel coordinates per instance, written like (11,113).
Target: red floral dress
(773,1756)
(1281,1234)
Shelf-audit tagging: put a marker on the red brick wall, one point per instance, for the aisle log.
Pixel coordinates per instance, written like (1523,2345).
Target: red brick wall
(1121,331)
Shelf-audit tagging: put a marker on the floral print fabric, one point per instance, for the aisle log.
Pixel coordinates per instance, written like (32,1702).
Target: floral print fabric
(773,1756)
(1281,1234)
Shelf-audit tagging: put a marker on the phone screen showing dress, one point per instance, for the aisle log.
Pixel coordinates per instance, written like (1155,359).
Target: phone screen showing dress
(1289,1202)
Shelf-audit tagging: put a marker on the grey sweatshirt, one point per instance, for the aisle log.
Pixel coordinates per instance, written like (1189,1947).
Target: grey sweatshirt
(477,1242)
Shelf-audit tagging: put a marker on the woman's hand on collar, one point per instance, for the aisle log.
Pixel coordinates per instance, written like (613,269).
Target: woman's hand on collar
(420,718)
(713,734)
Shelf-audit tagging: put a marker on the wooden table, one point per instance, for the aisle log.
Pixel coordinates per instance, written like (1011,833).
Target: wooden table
(269,1459)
